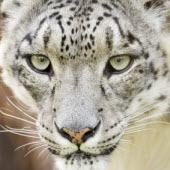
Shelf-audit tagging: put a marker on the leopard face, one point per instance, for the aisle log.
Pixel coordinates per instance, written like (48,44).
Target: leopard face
(85,98)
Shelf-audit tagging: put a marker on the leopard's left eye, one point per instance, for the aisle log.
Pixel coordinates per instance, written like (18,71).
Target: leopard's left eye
(120,63)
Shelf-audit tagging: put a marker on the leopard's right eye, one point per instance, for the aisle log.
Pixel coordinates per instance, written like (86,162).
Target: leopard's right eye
(39,63)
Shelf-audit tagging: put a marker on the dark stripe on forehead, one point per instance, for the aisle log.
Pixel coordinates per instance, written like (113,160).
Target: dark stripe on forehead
(61,26)
(46,37)
(131,38)
(118,1)
(28,38)
(109,37)
(53,15)
(45,1)
(114,4)
(39,27)
(17,4)
(49,3)
(118,24)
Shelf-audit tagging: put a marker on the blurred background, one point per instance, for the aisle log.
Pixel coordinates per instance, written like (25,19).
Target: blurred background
(16,160)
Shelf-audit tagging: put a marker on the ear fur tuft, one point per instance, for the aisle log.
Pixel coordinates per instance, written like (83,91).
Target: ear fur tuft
(155,12)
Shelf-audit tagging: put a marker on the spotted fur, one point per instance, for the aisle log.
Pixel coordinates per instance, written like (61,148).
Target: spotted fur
(79,37)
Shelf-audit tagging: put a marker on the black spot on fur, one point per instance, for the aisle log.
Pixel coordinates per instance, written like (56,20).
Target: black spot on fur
(165,73)
(107,7)
(4,15)
(103,90)
(59,6)
(149,86)
(94,1)
(141,71)
(131,38)
(59,18)
(125,45)
(162,97)
(148,5)
(107,15)
(146,56)
(17,4)
(100,110)
(53,91)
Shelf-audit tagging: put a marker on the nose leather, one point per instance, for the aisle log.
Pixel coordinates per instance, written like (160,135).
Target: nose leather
(76,136)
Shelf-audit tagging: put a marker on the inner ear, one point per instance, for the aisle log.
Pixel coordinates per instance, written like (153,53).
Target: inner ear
(153,3)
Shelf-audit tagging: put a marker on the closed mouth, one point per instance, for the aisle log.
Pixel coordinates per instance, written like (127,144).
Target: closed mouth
(81,154)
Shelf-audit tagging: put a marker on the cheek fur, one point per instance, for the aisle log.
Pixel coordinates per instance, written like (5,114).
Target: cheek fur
(36,84)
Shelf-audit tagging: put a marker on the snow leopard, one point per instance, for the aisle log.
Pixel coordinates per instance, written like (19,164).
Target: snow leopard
(90,69)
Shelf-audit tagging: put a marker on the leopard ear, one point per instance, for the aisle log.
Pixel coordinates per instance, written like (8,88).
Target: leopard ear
(154,3)
(157,12)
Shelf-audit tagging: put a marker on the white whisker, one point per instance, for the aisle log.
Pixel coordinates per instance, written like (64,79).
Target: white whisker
(150,117)
(21,105)
(141,130)
(121,147)
(17,133)
(47,157)
(34,145)
(125,140)
(42,152)
(148,109)
(156,122)
(22,130)
(16,117)
(26,145)
(34,149)
(21,110)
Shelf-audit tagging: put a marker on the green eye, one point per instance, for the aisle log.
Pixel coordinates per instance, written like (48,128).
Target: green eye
(40,64)
(120,63)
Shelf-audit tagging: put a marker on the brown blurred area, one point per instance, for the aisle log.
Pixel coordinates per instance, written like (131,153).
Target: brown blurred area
(9,158)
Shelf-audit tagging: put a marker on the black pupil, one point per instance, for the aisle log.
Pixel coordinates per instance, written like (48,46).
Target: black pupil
(42,59)
(119,60)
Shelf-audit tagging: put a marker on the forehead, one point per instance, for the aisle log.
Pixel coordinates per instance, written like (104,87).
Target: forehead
(85,14)
(82,28)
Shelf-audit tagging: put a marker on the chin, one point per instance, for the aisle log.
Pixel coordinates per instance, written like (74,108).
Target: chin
(81,162)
